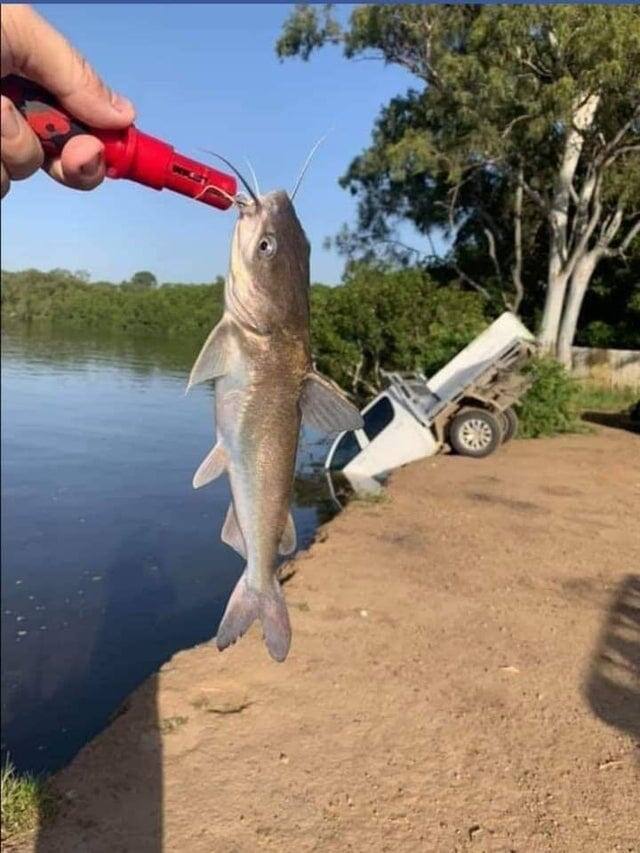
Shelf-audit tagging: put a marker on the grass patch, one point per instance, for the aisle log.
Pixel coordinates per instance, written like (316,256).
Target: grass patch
(27,801)
(596,398)
(556,402)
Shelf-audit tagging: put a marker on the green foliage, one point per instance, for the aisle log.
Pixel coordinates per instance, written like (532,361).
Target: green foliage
(494,91)
(591,397)
(610,316)
(26,801)
(379,319)
(383,319)
(60,297)
(143,279)
(551,404)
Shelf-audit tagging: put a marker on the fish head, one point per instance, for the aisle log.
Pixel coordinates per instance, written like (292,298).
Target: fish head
(269,269)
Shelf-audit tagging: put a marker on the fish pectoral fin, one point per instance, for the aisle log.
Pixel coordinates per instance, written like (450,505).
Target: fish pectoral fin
(325,408)
(213,464)
(289,541)
(231,533)
(213,360)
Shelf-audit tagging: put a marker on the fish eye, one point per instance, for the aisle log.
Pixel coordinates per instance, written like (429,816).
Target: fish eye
(267,246)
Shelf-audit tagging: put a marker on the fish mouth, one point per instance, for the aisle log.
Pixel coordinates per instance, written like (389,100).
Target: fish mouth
(243,201)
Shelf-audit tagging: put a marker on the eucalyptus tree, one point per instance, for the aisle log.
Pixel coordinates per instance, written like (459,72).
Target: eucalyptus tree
(520,140)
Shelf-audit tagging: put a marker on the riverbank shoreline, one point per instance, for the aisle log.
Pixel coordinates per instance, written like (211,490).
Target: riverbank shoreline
(463,675)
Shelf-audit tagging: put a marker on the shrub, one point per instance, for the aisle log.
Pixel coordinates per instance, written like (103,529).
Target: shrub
(384,319)
(551,404)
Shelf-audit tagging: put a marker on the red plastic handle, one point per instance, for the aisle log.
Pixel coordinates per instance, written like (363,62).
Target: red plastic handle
(129,153)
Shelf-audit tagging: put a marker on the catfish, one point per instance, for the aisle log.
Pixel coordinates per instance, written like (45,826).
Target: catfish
(259,357)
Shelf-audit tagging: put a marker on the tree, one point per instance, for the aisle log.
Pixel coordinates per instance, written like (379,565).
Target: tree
(144,279)
(521,142)
(382,319)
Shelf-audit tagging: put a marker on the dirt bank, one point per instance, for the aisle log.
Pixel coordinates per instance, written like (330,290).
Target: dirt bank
(465,675)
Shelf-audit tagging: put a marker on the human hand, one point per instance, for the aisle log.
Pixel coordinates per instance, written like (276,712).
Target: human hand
(33,49)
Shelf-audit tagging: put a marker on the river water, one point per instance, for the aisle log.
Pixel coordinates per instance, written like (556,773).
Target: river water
(111,562)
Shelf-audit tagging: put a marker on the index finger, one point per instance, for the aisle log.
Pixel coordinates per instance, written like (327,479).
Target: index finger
(38,51)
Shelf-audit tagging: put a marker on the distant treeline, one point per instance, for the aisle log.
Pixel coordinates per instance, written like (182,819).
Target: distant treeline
(377,319)
(138,306)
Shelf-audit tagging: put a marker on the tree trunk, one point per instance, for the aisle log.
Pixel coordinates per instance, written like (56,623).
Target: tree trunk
(580,279)
(553,304)
(582,118)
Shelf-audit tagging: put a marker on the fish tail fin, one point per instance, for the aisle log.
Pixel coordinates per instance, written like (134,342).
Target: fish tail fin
(245,606)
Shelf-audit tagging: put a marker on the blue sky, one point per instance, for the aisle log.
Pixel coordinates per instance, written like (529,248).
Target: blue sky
(200,76)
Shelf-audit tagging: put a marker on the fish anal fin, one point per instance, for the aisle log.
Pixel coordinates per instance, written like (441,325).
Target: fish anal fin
(211,467)
(324,406)
(231,533)
(213,359)
(288,542)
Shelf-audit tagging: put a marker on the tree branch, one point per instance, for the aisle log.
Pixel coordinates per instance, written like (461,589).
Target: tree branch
(472,283)
(540,72)
(516,272)
(583,113)
(583,200)
(535,196)
(632,233)
(512,123)
(611,146)
(624,149)
(492,251)
(583,240)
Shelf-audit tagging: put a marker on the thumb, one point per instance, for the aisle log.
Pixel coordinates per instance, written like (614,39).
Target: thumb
(39,52)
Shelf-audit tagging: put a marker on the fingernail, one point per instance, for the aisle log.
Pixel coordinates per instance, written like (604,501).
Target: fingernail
(118,102)
(9,125)
(91,168)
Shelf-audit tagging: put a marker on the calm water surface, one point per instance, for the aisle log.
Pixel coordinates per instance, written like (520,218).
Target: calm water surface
(111,562)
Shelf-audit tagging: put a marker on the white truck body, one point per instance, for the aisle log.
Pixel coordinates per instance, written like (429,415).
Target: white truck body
(407,421)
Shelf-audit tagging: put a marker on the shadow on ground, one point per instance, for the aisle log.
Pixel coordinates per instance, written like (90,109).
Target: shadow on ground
(109,799)
(617,420)
(612,687)
(115,804)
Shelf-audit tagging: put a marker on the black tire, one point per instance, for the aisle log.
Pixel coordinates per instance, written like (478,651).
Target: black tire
(509,425)
(475,432)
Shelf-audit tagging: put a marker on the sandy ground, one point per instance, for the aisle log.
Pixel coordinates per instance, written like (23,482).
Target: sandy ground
(465,675)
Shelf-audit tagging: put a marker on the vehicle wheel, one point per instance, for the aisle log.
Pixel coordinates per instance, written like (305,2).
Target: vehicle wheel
(509,425)
(475,432)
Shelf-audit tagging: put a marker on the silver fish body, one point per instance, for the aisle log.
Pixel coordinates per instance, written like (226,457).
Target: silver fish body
(260,358)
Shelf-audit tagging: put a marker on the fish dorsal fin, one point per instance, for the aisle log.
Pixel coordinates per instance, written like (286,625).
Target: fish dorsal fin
(231,533)
(213,360)
(325,408)
(289,541)
(211,467)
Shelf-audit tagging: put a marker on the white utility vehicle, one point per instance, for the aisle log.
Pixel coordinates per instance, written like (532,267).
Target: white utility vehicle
(467,405)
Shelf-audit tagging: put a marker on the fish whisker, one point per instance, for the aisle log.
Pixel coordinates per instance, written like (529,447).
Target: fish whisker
(236,172)
(306,164)
(256,185)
